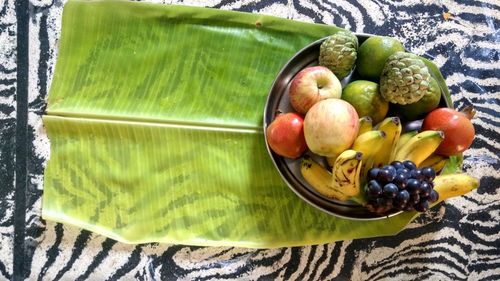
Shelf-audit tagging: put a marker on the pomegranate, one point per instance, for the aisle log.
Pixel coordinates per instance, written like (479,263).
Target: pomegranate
(457,127)
(285,135)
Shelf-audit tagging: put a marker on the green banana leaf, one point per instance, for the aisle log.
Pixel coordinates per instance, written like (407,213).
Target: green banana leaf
(155,122)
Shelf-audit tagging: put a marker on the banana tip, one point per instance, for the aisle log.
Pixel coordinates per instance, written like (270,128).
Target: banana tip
(475,183)
(359,155)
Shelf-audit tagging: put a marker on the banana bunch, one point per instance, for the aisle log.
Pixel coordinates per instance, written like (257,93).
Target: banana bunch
(433,139)
(376,146)
(343,183)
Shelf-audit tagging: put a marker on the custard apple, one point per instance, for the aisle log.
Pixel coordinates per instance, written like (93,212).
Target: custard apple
(404,79)
(338,53)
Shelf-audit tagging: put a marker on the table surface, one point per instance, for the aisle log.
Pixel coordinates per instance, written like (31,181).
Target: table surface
(457,240)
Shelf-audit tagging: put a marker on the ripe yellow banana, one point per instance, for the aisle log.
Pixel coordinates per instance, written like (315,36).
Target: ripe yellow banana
(435,161)
(404,138)
(420,146)
(346,172)
(320,179)
(391,126)
(368,144)
(343,184)
(365,124)
(453,185)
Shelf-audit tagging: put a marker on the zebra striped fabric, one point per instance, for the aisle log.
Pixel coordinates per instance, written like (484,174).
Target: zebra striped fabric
(457,240)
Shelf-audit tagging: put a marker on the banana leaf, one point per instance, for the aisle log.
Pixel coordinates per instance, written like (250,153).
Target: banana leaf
(155,122)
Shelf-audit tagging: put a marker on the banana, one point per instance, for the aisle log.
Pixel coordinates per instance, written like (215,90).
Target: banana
(435,161)
(364,142)
(346,171)
(420,146)
(343,184)
(391,126)
(368,144)
(320,179)
(404,138)
(365,125)
(453,185)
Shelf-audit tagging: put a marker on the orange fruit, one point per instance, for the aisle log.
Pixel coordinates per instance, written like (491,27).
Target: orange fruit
(373,53)
(364,96)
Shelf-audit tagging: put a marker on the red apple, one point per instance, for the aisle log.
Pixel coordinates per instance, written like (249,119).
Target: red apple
(457,127)
(311,85)
(285,135)
(330,127)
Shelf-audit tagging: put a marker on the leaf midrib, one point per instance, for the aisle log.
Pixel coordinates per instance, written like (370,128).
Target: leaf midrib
(207,126)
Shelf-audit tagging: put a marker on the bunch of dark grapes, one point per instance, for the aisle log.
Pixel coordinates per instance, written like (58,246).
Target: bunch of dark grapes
(401,186)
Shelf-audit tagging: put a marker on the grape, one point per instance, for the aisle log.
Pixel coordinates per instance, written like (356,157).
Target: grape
(429,173)
(400,186)
(425,189)
(374,188)
(384,176)
(404,172)
(372,173)
(433,196)
(400,181)
(414,198)
(397,165)
(390,190)
(413,186)
(422,206)
(403,196)
(409,165)
(390,168)
(417,174)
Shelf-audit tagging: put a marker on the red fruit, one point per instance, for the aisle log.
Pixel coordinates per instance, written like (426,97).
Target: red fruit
(456,126)
(285,135)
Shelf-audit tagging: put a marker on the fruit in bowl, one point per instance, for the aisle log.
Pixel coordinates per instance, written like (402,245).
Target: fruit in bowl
(366,99)
(373,53)
(339,52)
(355,144)
(457,127)
(311,85)
(404,79)
(330,127)
(285,135)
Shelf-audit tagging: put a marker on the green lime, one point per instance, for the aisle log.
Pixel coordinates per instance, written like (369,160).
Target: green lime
(427,103)
(373,53)
(364,96)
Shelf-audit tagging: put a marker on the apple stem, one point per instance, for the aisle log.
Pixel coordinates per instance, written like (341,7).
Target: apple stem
(468,111)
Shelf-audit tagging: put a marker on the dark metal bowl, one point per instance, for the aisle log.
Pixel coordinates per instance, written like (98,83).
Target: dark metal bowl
(289,169)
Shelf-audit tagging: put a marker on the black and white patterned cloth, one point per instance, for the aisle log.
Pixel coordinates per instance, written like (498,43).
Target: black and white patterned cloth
(457,240)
